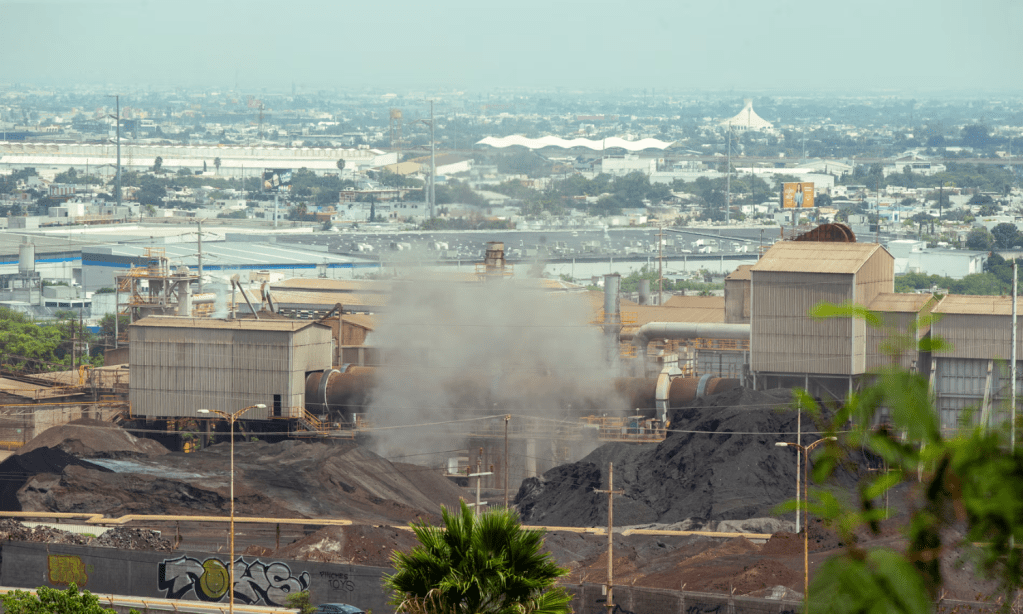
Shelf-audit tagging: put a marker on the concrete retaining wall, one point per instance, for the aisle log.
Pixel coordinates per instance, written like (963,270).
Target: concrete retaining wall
(189,576)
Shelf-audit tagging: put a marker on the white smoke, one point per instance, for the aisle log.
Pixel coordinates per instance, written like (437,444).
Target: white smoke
(457,350)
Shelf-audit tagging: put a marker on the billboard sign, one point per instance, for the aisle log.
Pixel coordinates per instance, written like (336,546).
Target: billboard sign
(797,195)
(277,179)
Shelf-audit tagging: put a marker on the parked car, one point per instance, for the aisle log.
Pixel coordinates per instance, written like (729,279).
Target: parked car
(338,608)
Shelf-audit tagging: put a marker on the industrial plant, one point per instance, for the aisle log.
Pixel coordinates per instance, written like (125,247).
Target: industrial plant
(517,374)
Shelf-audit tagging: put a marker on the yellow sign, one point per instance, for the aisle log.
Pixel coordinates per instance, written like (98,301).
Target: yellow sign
(797,195)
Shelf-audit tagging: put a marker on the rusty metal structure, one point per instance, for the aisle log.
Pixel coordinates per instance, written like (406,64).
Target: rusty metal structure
(829,233)
(153,289)
(494,267)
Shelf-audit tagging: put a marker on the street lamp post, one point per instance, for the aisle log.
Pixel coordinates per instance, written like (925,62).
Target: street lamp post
(805,451)
(230,419)
(117,194)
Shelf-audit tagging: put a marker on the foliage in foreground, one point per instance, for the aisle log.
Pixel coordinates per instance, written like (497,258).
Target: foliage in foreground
(300,601)
(53,601)
(970,480)
(485,564)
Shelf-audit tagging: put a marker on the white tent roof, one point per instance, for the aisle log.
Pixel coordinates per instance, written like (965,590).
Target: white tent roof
(747,119)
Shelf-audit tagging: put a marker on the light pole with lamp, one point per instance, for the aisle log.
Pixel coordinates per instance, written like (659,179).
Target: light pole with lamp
(230,419)
(805,450)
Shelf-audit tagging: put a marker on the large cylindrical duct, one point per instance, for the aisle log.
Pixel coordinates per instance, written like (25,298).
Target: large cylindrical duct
(26,256)
(683,330)
(612,305)
(345,391)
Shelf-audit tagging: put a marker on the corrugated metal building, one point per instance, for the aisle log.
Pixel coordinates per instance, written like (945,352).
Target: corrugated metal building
(788,282)
(902,330)
(976,367)
(179,365)
(737,295)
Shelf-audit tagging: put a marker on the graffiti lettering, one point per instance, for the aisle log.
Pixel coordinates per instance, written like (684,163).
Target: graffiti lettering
(338,581)
(696,609)
(67,569)
(255,582)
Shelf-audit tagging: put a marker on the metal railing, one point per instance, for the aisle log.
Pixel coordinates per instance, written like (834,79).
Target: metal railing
(734,345)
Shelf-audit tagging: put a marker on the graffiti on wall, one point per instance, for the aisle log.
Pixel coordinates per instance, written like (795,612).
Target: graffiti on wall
(254,583)
(67,569)
(338,581)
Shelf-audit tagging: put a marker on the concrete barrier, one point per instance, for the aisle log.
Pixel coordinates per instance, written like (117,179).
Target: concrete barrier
(189,576)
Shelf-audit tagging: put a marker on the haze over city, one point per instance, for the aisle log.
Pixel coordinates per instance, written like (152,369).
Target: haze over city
(799,47)
(279,278)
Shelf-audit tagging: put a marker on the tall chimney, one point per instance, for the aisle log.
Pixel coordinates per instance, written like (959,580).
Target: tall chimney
(612,315)
(644,292)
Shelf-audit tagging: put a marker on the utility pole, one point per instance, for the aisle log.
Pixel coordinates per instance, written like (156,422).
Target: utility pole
(479,475)
(117,186)
(199,224)
(660,266)
(507,418)
(1012,376)
(728,177)
(433,165)
(611,492)
(941,197)
(877,205)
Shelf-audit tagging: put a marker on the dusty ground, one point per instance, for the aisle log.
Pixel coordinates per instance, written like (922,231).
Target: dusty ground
(98,469)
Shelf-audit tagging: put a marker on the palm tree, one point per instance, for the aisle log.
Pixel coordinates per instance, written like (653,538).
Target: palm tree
(216,164)
(485,564)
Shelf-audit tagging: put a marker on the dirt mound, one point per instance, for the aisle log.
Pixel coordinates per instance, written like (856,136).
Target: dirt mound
(288,479)
(18,469)
(125,538)
(354,545)
(15,531)
(783,544)
(719,462)
(88,438)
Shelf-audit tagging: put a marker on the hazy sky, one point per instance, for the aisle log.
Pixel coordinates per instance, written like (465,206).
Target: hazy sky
(797,45)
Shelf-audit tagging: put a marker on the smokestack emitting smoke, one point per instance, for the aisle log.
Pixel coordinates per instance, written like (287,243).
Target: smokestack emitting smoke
(534,352)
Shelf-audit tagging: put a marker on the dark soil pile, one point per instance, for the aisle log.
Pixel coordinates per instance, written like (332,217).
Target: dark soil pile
(719,462)
(18,469)
(288,479)
(88,438)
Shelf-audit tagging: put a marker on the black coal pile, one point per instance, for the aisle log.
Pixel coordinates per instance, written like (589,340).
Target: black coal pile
(719,462)
(18,468)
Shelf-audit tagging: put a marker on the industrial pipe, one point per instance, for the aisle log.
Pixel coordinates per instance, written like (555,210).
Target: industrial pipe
(684,330)
(345,390)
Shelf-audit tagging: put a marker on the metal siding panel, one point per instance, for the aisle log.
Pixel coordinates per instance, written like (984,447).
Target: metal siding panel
(786,339)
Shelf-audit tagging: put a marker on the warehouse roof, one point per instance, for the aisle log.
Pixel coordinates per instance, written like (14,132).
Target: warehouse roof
(975,305)
(695,302)
(246,324)
(899,302)
(10,242)
(226,255)
(816,257)
(741,273)
(361,320)
(332,285)
(296,299)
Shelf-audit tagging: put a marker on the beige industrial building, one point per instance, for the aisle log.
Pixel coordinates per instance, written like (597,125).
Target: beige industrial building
(971,378)
(180,365)
(787,343)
